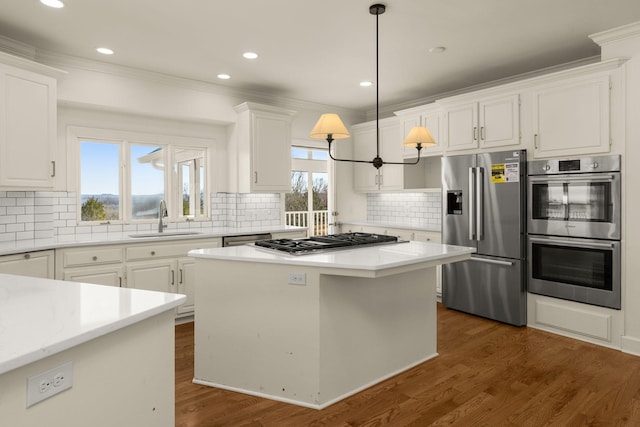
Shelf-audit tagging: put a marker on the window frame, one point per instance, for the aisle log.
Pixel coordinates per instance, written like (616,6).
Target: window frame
(77,134)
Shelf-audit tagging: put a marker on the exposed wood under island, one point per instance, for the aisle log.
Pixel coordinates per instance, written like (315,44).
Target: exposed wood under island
(311,330)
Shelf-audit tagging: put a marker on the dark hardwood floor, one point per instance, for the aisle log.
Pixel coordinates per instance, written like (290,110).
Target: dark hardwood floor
(487,374)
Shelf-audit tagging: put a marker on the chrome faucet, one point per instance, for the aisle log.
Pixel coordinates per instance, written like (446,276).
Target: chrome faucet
(162,213)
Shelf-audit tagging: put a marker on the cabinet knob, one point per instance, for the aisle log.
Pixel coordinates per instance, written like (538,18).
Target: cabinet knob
(27,256)
(95,258)
(153,252)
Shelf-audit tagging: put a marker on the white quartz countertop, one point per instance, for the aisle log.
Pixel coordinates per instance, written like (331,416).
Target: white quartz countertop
(432,228)
(112,238)
(41,317)
(372,258)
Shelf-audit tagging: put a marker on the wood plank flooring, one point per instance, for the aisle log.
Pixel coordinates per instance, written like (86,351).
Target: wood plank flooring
(487,374)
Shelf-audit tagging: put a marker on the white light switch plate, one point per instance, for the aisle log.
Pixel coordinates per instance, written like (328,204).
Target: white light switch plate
(46,384)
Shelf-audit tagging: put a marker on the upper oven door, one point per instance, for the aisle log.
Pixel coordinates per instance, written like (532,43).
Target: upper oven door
(575,205)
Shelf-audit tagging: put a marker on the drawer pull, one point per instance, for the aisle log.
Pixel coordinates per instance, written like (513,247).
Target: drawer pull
(27,256)
(173,277)
(153,252)
(95,258)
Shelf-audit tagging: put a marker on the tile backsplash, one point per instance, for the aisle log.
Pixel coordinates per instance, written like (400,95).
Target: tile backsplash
(45,214)
(421,210)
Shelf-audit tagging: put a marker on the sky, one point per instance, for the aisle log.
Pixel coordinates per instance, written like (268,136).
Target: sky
(100,172)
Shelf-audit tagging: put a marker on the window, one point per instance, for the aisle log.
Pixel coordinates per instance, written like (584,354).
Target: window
(100,185)
(121,181)
(308,202)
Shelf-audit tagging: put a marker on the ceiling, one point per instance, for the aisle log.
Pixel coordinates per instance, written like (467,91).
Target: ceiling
(320,51)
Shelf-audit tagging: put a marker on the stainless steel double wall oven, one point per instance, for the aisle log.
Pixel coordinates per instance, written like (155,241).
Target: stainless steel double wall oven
(574,229)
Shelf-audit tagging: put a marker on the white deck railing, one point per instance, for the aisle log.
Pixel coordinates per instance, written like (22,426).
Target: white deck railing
(320,221)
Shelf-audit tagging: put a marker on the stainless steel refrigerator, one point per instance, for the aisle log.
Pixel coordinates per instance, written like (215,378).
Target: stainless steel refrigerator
(484,206)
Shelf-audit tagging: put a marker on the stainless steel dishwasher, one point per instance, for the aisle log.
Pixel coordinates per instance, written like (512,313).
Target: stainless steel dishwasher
(244,239)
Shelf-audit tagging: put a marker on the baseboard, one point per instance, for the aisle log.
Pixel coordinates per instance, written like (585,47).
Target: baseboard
(317,406)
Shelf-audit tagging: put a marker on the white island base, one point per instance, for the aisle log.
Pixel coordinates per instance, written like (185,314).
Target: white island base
(312,345)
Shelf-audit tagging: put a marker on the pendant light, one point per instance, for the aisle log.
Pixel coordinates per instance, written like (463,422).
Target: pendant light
(330,126)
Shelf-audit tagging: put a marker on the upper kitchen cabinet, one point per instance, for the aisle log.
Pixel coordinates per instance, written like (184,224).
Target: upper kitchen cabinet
(485,122)
(429,116)
(262,149)
(571,116)
(28,109)
(366,177)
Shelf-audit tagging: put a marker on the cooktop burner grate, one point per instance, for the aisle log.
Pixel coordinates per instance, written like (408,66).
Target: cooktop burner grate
(317,244)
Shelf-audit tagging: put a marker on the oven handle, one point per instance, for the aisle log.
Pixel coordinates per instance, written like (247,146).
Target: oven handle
(573,244)
(572,179)
(491,261)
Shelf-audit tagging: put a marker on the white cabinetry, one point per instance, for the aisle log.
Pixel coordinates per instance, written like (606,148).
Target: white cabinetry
(97,265)
(262,149)
(389,177)
(33,264)
(571,117)
(28,123)
(482,123)
(159,266)
(429,116)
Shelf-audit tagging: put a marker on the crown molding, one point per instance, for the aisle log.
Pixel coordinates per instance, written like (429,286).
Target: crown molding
(616,34)
(391,109)
(18,48)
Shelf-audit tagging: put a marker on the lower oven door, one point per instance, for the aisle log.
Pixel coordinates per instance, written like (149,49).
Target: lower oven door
(582,270)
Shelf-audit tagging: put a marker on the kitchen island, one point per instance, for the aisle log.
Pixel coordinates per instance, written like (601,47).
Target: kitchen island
(117,343)
(313,329)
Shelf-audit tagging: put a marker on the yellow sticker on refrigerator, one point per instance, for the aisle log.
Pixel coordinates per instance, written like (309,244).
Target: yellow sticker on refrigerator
(505,172)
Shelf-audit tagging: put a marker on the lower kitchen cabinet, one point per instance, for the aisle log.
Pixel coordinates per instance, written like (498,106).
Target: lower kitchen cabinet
(157,266)
(33,264)
(156,275)
(110,275)
(185,279)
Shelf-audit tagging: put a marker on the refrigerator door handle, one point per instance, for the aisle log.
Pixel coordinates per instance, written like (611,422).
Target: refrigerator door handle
(491,261)
(480,203)
(472,203)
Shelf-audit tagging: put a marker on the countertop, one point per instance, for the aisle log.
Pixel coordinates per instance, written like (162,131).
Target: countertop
(387,225)
(112,238)
(371,258)
(41,317)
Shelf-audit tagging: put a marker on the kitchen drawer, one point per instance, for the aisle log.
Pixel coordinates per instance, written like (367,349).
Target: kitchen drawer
(90,256)
(166,250)
(427,236)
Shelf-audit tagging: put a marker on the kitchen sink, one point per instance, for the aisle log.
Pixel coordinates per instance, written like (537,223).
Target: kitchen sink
(166,234)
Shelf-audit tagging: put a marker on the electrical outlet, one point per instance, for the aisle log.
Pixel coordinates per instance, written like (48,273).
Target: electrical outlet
(297,278)
(46,384)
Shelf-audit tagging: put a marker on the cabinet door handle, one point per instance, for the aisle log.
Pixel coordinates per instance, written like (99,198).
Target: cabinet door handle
(255,177)
(173,277)
(53,168)
(120,281)
(475,133)
(535,141)
(482,133)
(180,277)
(380,179)
(27,256)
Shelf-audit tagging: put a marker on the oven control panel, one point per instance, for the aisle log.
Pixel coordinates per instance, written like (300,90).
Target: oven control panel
(579,165)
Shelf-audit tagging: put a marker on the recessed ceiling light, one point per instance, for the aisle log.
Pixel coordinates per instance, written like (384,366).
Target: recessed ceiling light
(53,3)
(366,84)
(437,49)
(224,76)
(250,55)
(105,50)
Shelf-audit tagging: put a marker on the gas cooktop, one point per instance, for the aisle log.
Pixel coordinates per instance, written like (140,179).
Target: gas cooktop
(318,244)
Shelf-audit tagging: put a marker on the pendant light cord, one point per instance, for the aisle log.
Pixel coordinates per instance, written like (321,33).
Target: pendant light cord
(377,90)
